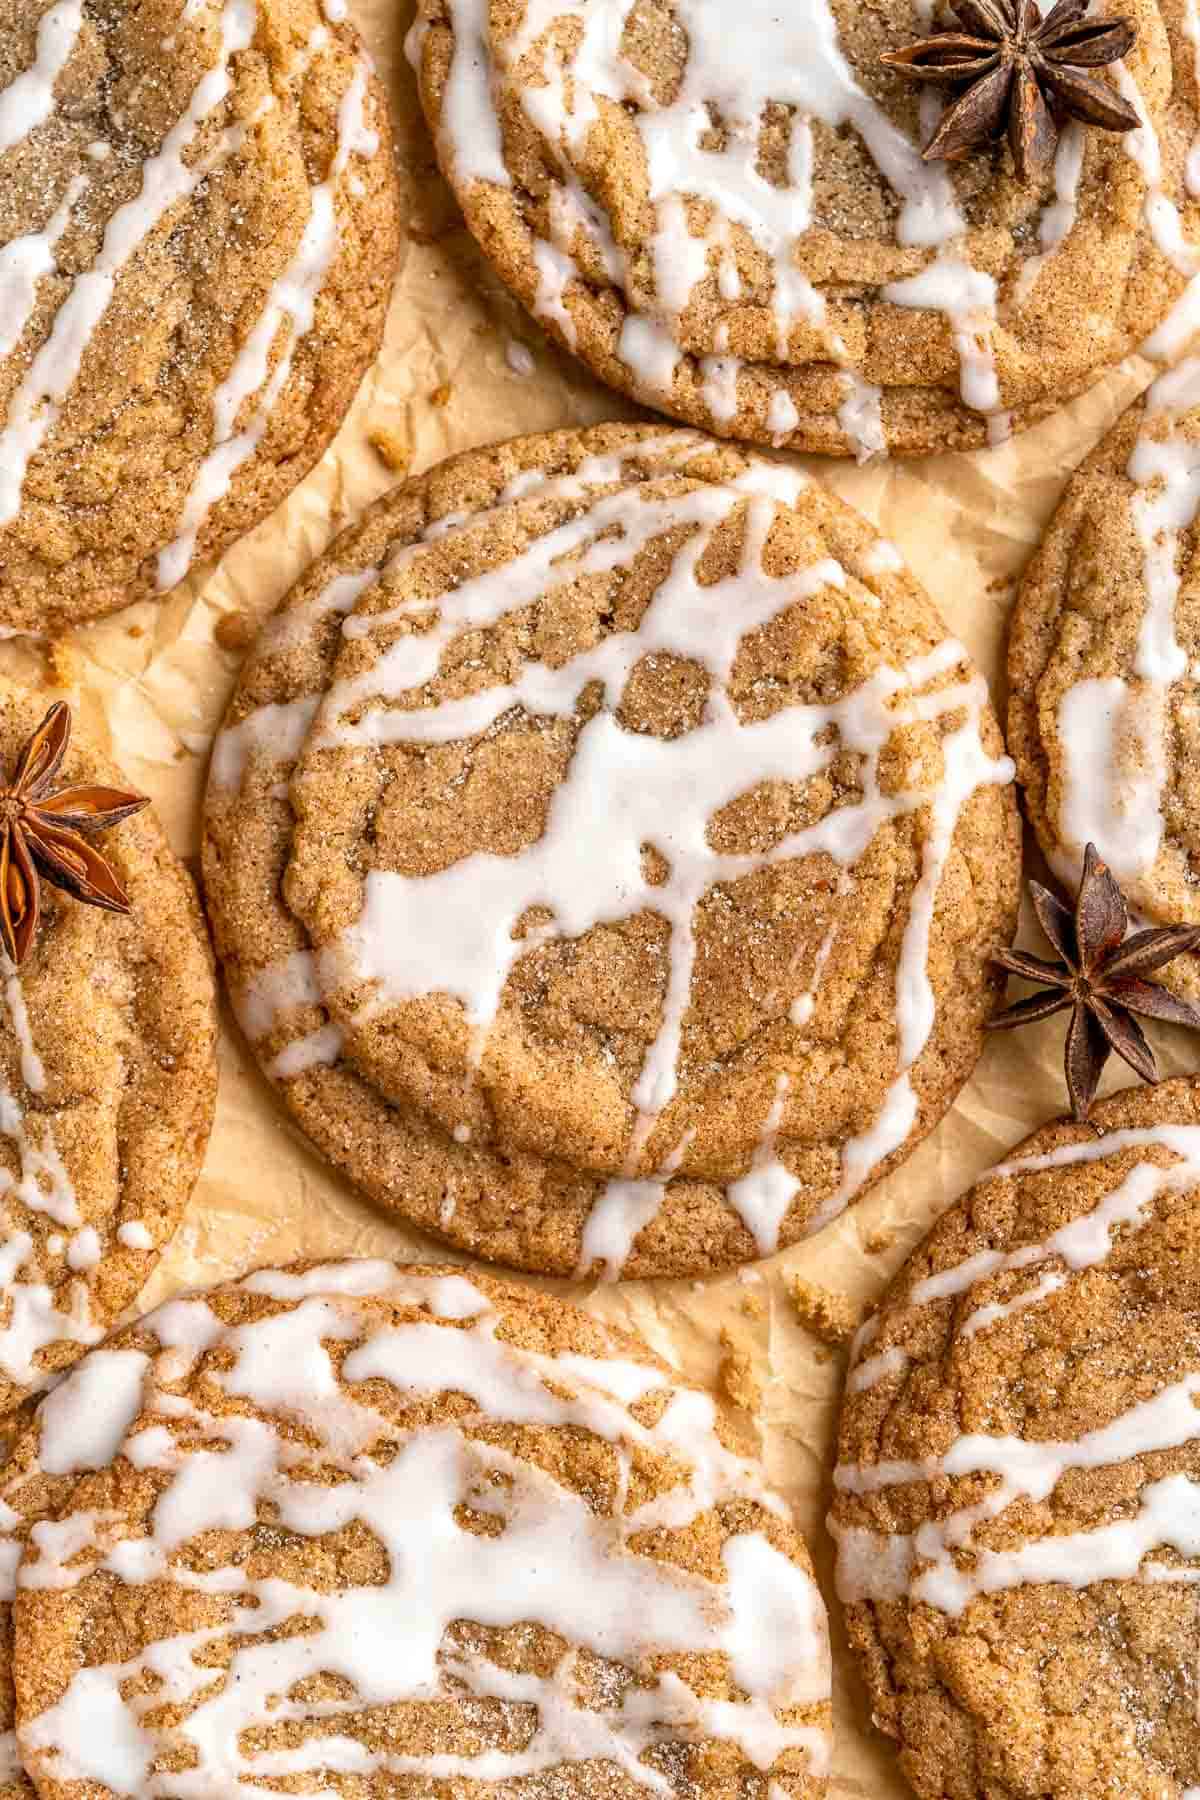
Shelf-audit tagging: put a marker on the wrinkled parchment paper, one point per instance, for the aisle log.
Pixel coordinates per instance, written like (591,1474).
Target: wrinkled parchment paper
(152,683)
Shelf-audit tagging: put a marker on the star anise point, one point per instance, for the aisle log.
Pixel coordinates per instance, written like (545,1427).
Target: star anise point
(1101,975)
(1020,75)
(45,833)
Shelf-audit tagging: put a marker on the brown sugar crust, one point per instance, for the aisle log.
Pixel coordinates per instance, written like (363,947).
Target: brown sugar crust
(545,1415)
(549,1117)
(1065,311)
(108,478)
(1078,1679)
(108,1066)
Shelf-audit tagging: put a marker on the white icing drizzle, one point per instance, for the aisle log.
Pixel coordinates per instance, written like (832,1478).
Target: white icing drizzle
(1165,225)
(450,932)
(281,987)
(968,299)
(782,416)
(135,1235)
(876,1369)
(617,1218)
(552,1557)
(1114,731)
(26,102)
(281,729)
(1113,772)
(285,320)
(789,58)
(883,558)
(994,1311)
(88,1414)
(922,1566)
(861,416)
(1058,219)
(23,263)
(318,1049)
(294,627)
(267,996)
(83,1251)
(35,1317)
(805,1004)
(33,1073)
(764,1194)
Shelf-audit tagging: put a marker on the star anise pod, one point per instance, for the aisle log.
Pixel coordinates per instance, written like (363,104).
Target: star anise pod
(1101,977)
(1023,74)
(44,835)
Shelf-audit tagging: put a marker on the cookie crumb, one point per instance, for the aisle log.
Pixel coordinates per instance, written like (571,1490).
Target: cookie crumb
(441,394)
(736,1375)
(234,631)
(63,664)
(831,1317)
(391,449)
(880,1240)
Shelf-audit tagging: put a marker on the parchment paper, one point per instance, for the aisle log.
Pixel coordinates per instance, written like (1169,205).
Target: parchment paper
(153,681)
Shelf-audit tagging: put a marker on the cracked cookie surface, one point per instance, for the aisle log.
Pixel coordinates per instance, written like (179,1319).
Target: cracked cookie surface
(108,1083)
(724,211)
(605,846)
(359,1523)
(1015,1501)
(198,228)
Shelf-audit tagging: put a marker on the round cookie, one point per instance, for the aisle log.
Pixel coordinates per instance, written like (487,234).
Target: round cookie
(1102,657)
(1015,1501)
(107,1088)
(683,720)
(198,229)
(724,211)
(382,1526)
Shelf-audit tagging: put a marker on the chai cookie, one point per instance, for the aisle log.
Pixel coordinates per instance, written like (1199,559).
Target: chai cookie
(723,209)
(379,1526)
(1017,1496)
(107,1086)
(605,847)
(198,227)
(1102,657)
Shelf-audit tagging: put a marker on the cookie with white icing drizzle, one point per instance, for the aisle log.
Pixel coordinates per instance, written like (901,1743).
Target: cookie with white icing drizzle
(198,228)
(1017,1497)
(614,886)
(107,1088)
(1103,654)
(359,1528)
(721,206)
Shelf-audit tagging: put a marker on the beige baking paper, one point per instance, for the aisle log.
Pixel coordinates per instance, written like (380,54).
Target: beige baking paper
(463,366)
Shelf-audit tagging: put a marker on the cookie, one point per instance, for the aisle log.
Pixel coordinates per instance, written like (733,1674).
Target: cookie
(370,1528)
(1104,643)
(107,1088)
(724,211)
(605,847)
(198,229)
(1015,1501)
